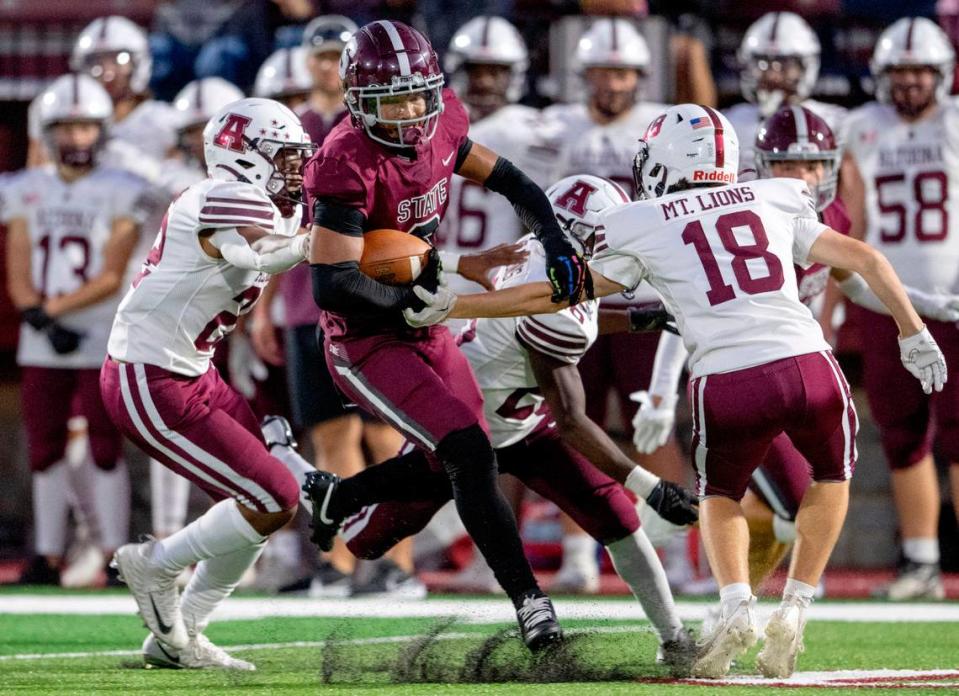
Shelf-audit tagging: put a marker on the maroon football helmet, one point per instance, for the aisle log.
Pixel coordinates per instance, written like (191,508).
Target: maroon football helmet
(387,59)
(794,133)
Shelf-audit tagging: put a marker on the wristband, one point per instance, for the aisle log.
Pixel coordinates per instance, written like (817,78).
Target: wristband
(450,261)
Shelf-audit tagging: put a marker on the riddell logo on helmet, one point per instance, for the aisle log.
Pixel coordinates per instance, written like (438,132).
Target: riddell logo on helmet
(715,175)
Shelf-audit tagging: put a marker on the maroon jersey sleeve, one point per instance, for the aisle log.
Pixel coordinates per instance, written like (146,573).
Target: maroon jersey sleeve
(455,120)
(336,179)
(836,217)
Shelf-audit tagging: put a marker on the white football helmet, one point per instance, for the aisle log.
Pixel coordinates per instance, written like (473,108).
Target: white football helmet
(777,36)
(114,35)
(913,41)
(196,103)
(613,43)
(242,140)
(328,33)
(283,74)
(577,203)
(687,145)
(488,40)
(72,98)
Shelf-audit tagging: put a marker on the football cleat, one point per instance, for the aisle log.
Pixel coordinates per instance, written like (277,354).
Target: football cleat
(538,624)
(154,590)
(732,637)
(86,570)
(320,486)
(388,580)
(477,577)
(576,578)
(783,641)
(200,653)
(39,572)
(915,581)
(678,654)
(277,431)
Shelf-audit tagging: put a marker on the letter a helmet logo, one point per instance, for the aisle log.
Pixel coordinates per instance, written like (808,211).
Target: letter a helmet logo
(574,200)
(230,136)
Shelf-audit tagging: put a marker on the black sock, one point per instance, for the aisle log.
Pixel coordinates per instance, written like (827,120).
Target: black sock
(470,462)
(407,477)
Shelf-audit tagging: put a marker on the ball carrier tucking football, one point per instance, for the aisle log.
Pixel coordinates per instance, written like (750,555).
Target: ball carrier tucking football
(390,166)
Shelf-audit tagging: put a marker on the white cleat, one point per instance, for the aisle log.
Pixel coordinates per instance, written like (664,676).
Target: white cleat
(783,641)
(732,637)
(86,569)
(154,590)
(199,653)
(576,578)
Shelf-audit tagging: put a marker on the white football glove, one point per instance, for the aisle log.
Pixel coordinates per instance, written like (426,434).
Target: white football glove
(438,306)
(652,424)
(921,356)
(937,307)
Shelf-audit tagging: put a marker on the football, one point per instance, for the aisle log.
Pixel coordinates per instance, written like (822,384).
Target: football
(393,257)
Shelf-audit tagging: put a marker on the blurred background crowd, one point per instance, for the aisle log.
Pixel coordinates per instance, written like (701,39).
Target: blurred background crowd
(280,49)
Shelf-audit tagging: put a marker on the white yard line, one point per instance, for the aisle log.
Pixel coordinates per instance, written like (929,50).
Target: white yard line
(468,610)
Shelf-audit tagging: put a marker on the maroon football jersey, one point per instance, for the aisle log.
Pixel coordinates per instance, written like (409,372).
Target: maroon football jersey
(317,125)
(812,281)
(392,191)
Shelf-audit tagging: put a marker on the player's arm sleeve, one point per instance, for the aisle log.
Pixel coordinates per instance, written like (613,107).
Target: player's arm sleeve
(796,200)
(805,234)
(668,365)
(560,336)
(234,204)
(11,206)
(270,253)
(612,262)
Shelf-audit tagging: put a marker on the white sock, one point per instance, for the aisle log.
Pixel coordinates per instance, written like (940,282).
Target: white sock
(214,580)
(579,550)
(732,595)
(638,565)
(221,530)
(921,549)
(800,590)
(299,467)
(51,504)
(169,499)
(111,499)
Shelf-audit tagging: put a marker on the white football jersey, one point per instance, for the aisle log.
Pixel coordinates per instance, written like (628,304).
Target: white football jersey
(746,120)
(911,177)
(587,147)
(478,218)
(722,260)
(69,226)
(183,302)
(149,128)
(495,348)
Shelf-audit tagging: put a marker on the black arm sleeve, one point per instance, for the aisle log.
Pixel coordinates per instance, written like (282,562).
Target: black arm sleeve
(338,217)
(530,203)
(342,288)
(462,153)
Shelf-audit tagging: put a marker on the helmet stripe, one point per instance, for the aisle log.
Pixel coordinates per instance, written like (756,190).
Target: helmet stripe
(912,25)
(401,58)
(718,135)
(288,64)
(484,38)
(614,45)
(802,124)
(104,25)
(199,96)
(75,92)
(773,35)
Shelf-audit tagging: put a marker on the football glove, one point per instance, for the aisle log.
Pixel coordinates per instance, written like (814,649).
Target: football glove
(921,356)
(674,503)
(437,306)
(652,317)
(652,424)
(431,277)
(36,317)
(567,271)
(63,339)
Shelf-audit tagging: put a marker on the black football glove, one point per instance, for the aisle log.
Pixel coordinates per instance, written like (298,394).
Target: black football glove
(674,503)
(652,317)
(36,317)
(428,278)
(567,271)
(63,339)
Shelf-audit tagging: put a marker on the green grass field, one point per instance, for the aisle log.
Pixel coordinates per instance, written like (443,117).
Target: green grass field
(364,654)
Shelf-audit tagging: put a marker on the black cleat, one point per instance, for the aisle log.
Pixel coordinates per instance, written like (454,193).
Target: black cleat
(277,431)
(39,572)
(320,487)
(538,623)
(678,654)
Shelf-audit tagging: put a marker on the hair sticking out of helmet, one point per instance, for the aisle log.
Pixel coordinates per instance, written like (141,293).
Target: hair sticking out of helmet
(907,54)
(393,84)
(686,146)
(261,142)
(796,142)
(779,61)
(578,202)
